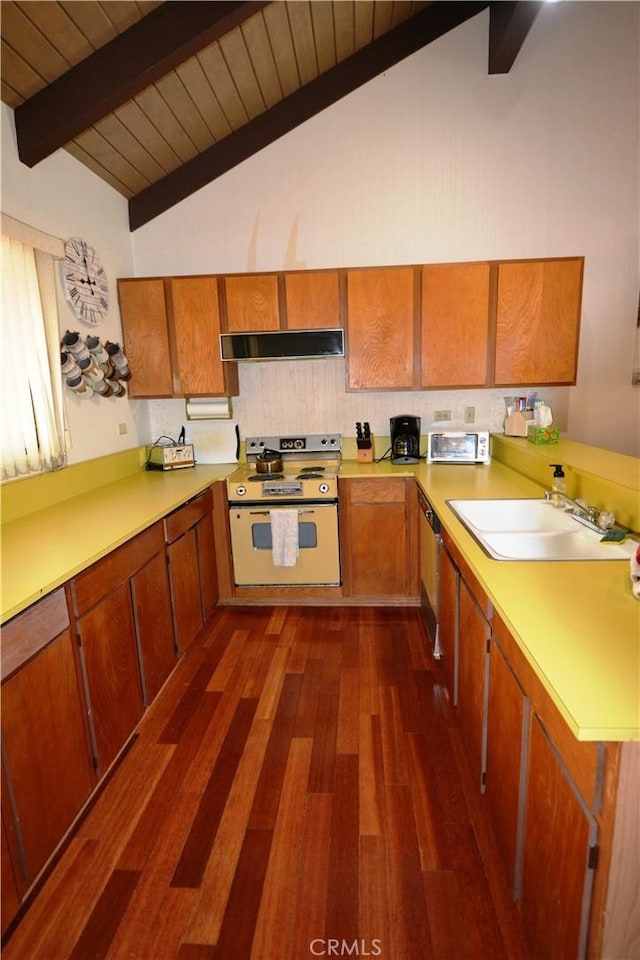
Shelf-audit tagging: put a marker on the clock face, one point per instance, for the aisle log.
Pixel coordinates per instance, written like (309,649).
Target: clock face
(85,282)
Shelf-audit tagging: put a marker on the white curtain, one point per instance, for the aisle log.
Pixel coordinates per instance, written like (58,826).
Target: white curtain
(32,435)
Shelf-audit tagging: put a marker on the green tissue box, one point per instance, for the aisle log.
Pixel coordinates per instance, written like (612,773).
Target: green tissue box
(542,434)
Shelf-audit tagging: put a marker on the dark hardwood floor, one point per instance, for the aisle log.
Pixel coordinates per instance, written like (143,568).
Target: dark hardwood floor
(297,790)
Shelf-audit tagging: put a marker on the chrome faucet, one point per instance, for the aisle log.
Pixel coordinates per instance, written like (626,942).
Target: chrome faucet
(579,509)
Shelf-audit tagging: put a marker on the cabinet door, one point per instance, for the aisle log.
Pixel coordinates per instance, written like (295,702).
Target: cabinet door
(313,299)
(538,321)
(448,614)
(10,891)
(47,756)
(455,324)
(154,623)
(111,661)
(195,316)
(184,575)
(146,337)
(381,328)
(555,878)
(379,542)
(208,569)
(252,302)
(507,723)
(473,634)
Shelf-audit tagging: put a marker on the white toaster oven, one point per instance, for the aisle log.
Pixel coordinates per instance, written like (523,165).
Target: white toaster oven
(458,447)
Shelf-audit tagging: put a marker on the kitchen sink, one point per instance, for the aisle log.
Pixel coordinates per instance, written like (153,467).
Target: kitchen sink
(534,530)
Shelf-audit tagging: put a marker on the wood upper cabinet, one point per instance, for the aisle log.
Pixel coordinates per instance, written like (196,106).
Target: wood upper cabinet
(381,323)
(145,331)
(455,325)
(538,321)
(45,739)
(194,313)
(171,331)
(379,538)
(252,302)
(312,299)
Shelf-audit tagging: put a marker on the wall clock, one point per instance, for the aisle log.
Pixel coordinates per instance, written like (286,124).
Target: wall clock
(85,282)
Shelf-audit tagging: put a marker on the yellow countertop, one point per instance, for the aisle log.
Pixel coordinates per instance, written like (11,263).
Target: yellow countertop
(42,550)
(577,623)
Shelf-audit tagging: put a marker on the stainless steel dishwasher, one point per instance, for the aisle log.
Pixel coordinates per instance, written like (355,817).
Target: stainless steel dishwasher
(430,570)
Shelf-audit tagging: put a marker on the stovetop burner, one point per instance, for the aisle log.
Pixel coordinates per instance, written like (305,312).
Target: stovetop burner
(259,477)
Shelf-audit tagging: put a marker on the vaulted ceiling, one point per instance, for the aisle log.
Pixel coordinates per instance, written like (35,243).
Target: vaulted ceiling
(159,99)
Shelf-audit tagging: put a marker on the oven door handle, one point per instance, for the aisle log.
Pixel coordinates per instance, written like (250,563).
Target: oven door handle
(265,513)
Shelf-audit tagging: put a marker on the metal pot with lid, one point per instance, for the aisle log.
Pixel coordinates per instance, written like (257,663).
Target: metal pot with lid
(269,461)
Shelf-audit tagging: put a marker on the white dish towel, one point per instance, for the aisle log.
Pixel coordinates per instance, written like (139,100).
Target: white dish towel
(284,537)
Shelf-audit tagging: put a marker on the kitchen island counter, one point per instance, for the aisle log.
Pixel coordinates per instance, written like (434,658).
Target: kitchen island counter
(577,622)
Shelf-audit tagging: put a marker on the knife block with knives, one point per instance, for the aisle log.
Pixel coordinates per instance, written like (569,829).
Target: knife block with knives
(364,442)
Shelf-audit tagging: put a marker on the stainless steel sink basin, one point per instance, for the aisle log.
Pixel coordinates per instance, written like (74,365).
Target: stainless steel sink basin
(534,530)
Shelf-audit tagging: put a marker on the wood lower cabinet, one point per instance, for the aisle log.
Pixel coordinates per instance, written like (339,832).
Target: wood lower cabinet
(455,325)
(125,627)
(538,321)
(558,836)
(47,771)
(448,613)
(10,890)
(379,538)
(381,324)
(171,329)
(507,746)
(192,567)
(108,645)
(473,666)
(154,624)
(549,797)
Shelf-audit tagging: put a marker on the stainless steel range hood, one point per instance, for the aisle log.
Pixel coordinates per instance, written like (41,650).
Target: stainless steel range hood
(282,345)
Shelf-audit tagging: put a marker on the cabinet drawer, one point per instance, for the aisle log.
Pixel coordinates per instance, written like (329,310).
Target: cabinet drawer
(99,580)
(381,490)
(32,630)
(187,516)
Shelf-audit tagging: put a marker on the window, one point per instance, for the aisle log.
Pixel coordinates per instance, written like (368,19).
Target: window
(32,435)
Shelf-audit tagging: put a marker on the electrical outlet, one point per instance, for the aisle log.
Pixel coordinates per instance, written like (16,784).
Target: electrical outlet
(122,429)
(440,415)
(469,414)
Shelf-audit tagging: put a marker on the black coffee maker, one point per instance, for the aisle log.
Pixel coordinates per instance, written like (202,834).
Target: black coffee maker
(405,439)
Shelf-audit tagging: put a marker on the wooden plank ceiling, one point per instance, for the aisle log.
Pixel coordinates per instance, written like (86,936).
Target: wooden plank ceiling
(159,99)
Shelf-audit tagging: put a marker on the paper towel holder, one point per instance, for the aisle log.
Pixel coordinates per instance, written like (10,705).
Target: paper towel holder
(208,408)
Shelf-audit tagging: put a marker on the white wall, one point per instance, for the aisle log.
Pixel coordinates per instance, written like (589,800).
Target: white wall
(61,197)
(436,161)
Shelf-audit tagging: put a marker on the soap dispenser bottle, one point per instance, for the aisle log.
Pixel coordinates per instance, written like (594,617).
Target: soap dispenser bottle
(558,485)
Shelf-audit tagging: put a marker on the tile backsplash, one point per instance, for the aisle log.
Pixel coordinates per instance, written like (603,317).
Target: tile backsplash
(292,396)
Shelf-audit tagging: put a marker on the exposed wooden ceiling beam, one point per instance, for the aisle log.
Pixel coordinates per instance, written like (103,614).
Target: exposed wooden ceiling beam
(509,24)
(119,70)
(423,28)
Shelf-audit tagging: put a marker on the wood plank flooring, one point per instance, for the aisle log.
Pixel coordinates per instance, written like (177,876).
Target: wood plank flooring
(297,790)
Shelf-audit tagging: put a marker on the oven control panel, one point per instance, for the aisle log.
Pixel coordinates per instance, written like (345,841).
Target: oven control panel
(324,443)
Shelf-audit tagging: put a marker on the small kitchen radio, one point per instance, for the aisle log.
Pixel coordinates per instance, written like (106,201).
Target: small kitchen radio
(173,456)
